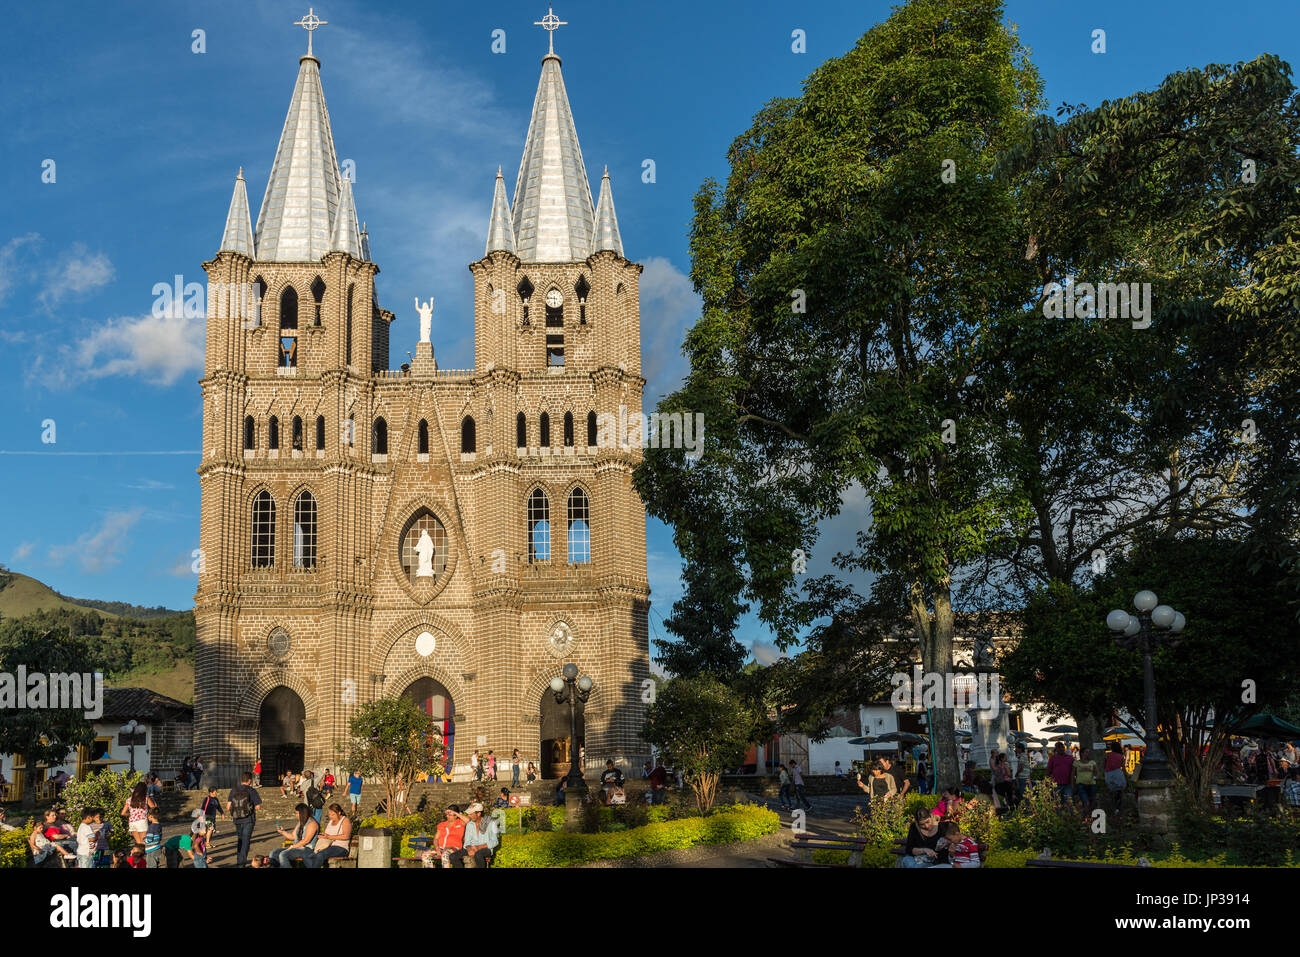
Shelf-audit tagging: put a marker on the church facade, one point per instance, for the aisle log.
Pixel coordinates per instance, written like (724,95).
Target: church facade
(453,536)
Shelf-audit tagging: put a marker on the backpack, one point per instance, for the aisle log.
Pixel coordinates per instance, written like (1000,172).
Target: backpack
(315,799)
(241,803)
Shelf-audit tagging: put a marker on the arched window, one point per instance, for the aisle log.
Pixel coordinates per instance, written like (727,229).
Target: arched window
(297,433)
(525,290)
(347,332)
(320,433)
(250,433)
(379,437)
(582,289)
(422,438)
(288,328)
(468,441)
(539,527)
(592,433)
(273,434)
(544,426)
(568,430)
(288,308)
(579,517)
(317,295)
(304,531)
(521,431)
(263,537)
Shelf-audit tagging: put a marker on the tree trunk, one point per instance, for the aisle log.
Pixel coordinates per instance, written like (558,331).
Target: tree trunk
(937,658)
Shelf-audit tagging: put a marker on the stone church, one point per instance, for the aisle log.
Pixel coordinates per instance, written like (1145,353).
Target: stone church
(453,536)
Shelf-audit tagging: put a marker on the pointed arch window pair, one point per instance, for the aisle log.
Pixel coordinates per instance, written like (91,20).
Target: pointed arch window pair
(578,524)
(262,530)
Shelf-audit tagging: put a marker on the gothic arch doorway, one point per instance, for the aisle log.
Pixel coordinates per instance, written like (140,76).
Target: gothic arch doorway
(436,701)
(281,734)
(557,750)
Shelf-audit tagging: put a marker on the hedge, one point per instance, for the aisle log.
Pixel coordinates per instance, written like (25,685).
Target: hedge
(13,847)
(742,822)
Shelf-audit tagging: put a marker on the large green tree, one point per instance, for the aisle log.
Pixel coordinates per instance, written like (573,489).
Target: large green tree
(848,271)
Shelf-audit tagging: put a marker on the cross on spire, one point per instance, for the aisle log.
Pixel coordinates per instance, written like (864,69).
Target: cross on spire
(310,23)
(550,23)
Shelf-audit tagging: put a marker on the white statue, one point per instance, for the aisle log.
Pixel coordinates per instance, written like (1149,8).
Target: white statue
(424,549)
(426,317)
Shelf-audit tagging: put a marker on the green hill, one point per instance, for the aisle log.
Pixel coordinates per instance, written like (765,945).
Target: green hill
(140,647)
(21,595)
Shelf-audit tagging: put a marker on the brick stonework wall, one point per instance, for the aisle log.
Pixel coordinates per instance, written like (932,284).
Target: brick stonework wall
(356,615)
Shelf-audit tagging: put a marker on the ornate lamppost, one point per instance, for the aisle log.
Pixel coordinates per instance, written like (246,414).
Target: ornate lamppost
(1152,626)
(572,690)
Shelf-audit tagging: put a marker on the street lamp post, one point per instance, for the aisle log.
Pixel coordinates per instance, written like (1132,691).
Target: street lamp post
(572,690)
(129,730)
(1152,626)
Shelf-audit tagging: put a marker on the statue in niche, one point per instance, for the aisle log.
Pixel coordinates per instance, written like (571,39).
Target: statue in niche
(424,551)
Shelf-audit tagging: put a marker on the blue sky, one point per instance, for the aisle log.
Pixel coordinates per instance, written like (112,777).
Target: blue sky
(146,137)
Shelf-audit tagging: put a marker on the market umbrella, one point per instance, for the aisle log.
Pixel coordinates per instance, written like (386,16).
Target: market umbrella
(1068,738)
(902,737)
(862,741)
(1061,729)
(1268,726)
(1020,735)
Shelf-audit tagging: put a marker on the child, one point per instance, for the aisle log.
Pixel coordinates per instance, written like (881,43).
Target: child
(962,849)
(88,837)
(120,861)
(153,842)
(137,859)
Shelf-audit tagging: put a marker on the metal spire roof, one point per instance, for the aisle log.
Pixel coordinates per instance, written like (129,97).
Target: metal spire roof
(553,212)
(607,235)
(347,237)
(501,234)
(238,235)
(302,195)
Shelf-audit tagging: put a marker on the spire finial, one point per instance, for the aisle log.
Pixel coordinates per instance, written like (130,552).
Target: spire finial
(310,23)
(550,23)
(241,173)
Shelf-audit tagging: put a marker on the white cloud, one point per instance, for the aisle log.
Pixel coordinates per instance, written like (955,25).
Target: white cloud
(99,549)
(766,653)
(22,552)
(78,271)
(158,350)
(151,485)
(10,271)
(669,306)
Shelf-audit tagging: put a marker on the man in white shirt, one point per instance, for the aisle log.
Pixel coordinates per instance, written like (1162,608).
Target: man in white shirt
(796,774)
(482,838)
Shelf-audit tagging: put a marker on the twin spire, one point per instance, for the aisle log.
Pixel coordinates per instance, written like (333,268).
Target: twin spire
(553,218)
(308,210)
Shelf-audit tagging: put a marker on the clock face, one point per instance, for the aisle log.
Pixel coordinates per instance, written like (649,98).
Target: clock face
(554,299)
